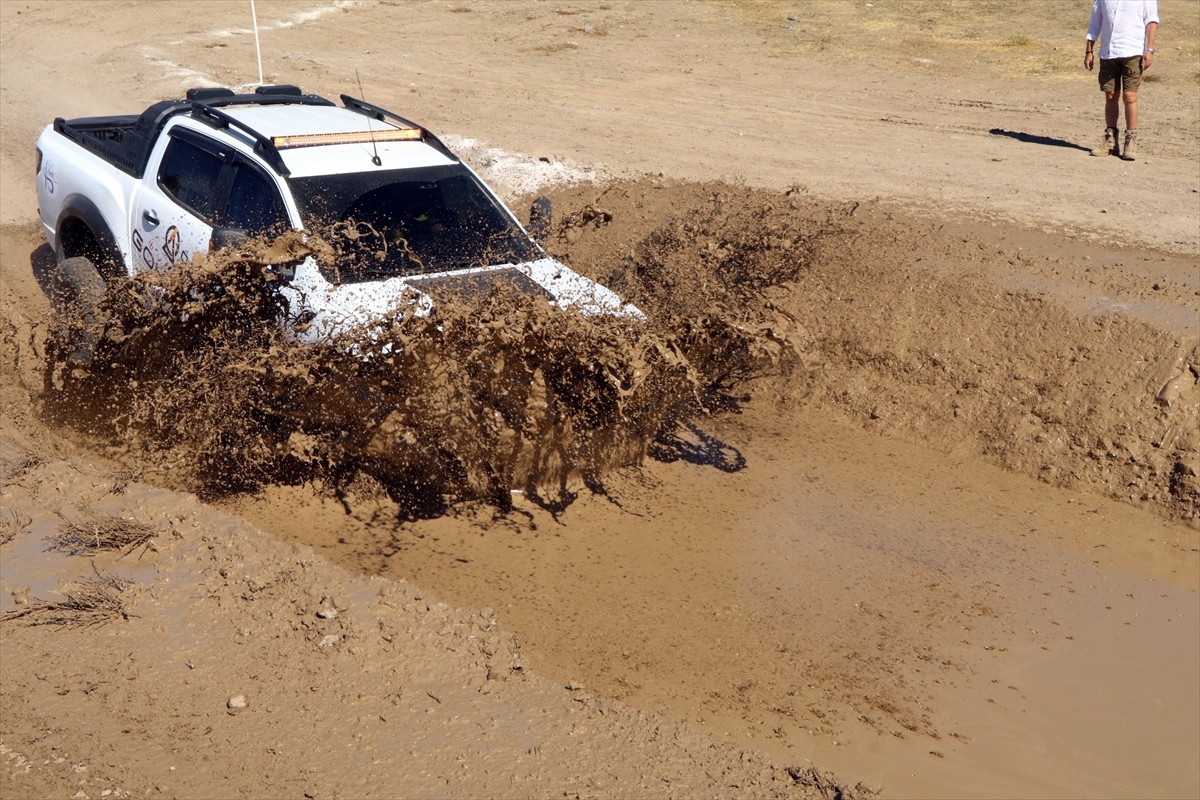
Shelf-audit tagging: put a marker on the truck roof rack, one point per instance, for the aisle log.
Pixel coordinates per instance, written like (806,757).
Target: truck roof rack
(262,145)
(205,104)
(287,94)
(375,112)
(268,96)
(202,93)
(279,88)
(129,148)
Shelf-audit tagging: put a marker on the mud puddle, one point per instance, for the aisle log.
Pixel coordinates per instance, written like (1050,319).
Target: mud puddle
(62,528)
(943,628)
(1089,717)
(1110,709)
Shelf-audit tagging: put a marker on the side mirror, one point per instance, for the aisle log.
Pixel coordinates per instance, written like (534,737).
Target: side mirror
(223,238)
(540,215)
(227,237)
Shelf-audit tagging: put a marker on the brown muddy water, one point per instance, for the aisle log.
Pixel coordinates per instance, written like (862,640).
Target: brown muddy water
(931,627)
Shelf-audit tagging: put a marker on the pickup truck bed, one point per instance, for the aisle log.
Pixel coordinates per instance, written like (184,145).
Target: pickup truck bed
(123,141)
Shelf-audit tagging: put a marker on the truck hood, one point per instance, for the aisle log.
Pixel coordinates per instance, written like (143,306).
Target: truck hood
(318,309)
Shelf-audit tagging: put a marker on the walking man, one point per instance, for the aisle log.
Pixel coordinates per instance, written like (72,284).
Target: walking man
(1126,30)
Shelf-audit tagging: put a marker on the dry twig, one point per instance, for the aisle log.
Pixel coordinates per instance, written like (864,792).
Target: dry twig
(101,533)
(13,466)
(88,602)
(12,524)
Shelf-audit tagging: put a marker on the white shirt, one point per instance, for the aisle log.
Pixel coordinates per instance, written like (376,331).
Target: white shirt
(1120,25)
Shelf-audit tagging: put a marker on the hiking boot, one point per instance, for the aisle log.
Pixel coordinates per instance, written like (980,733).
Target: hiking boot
(1109,146)
(1129,151)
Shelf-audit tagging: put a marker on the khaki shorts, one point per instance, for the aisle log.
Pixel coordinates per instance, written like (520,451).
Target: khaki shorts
(1121,74)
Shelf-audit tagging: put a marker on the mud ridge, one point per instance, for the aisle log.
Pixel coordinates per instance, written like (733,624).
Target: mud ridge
(908,326)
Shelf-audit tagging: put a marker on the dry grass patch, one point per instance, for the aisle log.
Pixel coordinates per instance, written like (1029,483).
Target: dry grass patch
(992,38)
(88,602)
(555,47)
(96,533)
(14,466)
(12,524)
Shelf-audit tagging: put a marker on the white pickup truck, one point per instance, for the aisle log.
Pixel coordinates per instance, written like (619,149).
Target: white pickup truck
(122,194)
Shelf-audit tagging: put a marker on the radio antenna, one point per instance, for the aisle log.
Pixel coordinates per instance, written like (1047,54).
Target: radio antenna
(257,48)
(375,159)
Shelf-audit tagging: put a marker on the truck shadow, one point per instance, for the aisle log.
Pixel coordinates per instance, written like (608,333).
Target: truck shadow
(690,444)
(41,263)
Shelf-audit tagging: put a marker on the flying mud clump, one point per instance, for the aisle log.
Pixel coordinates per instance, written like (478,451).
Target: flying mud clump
(708,275)
(191,372)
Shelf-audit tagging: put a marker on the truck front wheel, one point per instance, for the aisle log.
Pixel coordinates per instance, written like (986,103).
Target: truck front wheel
(78,289)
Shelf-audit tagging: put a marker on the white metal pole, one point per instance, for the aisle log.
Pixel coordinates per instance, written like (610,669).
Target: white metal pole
(257,48)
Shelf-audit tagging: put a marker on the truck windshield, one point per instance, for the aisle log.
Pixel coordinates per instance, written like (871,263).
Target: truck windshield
(408,222)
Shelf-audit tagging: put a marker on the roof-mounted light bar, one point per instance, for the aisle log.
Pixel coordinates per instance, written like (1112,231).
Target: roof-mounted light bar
(352,137)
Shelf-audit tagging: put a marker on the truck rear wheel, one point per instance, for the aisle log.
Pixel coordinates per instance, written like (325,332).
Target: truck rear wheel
(78,289)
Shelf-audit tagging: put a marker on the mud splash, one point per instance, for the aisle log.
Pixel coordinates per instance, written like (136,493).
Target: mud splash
(485,395)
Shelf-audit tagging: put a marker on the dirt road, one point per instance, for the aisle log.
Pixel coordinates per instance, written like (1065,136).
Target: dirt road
(935,560)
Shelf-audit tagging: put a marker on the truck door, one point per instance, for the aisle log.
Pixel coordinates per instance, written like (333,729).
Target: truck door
(174,214)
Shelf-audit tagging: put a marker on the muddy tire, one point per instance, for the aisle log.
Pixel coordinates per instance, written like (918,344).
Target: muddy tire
(78,289)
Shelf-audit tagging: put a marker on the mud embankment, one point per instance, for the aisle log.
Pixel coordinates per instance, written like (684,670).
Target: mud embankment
(927,328)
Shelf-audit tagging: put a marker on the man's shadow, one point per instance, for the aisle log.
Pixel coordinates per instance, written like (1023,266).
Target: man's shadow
(1031,138)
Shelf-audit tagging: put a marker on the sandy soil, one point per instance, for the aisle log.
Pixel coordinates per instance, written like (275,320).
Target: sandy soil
(955,552)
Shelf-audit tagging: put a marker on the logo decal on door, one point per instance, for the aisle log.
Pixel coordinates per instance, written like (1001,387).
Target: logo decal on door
(172,246)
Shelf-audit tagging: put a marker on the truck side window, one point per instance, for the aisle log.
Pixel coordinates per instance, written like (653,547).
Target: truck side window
(254,204)
(189,175)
